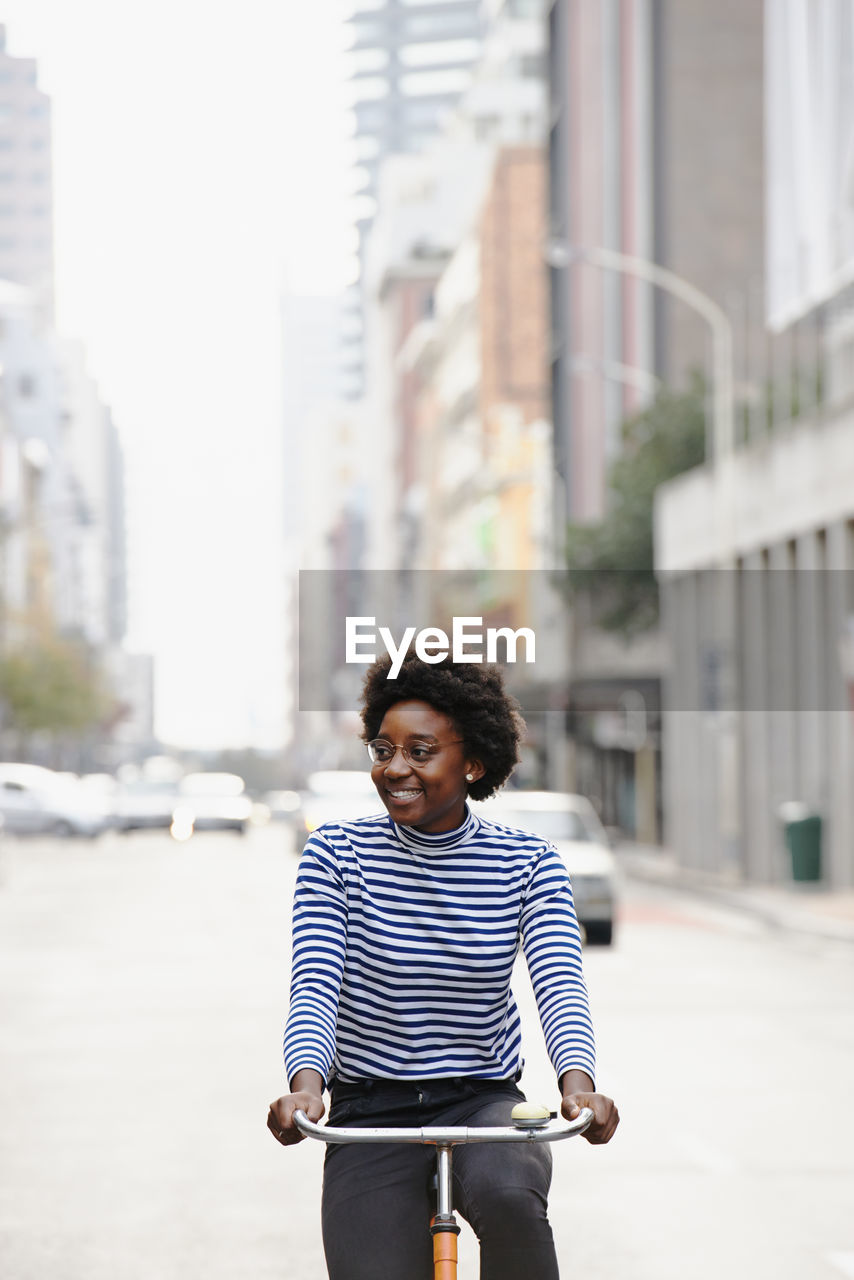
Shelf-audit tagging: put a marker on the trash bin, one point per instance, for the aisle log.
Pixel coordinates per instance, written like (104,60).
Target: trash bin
(802,831)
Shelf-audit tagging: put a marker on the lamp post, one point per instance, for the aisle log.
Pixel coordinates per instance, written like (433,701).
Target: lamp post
(561,255)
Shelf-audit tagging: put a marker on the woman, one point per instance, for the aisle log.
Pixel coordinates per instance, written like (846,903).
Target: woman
(406,928)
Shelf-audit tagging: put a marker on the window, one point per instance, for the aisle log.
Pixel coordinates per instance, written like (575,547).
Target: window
(38,176)
(6,175)
(368,32)
(433,53)
(371,89)
(422,114)
(369,117)
(26,386)
(368,60)
(422,84)
(7,144)
(367,148)
(7,244)
(7,210)
(443,26)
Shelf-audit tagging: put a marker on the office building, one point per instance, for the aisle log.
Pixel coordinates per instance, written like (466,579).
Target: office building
(26,187)
(410,61)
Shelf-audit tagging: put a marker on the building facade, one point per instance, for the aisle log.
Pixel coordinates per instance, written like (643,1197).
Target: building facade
(755,551)
(656,157)
(26,184)
(410,62)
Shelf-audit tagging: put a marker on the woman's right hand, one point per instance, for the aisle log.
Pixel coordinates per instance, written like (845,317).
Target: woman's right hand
(280,1120)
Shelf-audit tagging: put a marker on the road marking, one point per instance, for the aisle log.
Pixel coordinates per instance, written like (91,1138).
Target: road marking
(843,1262)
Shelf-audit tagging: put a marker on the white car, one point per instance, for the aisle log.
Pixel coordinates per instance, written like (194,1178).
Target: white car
(572,825)
(212,802)
(39,801)
(334,795)
(145,804)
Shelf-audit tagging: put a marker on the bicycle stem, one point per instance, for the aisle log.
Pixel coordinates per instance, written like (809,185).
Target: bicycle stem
(444,1227)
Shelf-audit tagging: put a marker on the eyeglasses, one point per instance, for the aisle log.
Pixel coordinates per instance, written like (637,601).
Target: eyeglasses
(417,753)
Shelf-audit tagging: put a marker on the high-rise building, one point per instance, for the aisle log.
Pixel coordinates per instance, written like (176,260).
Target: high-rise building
(26,190)
(410,62)
(656,151)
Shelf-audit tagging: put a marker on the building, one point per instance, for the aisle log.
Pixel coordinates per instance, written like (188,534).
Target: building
(458,371)
(409,64)
(656,147)
(39,555)
(96,607)
(26,184)
(755,551)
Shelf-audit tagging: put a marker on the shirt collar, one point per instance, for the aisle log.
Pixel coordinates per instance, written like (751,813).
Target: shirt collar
(438,841)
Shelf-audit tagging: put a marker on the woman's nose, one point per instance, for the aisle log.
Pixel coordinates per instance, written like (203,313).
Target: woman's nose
(398,766)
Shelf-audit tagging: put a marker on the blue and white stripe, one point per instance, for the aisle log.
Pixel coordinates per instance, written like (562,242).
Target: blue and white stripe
(404,945)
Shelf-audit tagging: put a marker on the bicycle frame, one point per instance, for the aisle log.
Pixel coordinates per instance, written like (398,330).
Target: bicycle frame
(444,1226)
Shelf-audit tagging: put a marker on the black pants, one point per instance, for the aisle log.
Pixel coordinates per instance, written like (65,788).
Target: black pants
(377,1197)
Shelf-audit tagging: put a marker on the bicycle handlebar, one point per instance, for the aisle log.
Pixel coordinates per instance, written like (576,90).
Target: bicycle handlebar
(437,1136)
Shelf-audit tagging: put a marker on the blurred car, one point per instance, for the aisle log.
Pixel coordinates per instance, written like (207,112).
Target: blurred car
(39,801)
(335,795)
(212,802)
(283,806)
(572,825)
(144,804)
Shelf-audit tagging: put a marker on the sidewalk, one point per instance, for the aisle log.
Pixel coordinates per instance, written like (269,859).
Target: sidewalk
(798,908)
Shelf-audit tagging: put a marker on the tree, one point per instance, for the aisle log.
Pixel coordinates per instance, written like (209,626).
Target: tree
(50,685)
(611,563)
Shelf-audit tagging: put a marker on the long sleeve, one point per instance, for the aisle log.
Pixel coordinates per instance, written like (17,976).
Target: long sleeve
(319,938)
(551,941)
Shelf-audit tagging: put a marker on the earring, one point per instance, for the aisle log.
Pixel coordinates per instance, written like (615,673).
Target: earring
(469,777)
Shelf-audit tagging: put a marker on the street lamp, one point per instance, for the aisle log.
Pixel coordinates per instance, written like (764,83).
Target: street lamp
(561,255)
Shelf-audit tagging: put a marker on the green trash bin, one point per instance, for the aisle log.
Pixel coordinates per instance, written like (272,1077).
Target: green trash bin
(803,840)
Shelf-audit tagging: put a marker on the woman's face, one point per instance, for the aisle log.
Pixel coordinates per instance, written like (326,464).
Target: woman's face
(429,795)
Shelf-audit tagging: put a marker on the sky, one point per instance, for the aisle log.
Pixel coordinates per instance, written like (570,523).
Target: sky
(200,162)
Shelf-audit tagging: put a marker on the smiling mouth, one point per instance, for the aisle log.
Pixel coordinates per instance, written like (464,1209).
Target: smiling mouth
(408,794)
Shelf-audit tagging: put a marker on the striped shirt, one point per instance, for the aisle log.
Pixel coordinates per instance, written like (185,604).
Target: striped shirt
(404,944)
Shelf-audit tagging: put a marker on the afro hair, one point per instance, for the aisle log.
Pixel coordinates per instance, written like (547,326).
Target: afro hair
(470,694)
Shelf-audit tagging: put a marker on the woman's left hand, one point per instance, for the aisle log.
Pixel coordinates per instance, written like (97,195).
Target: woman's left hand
(606,1117)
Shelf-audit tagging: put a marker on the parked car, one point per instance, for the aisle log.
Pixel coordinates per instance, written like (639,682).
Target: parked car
(334,795)
(212,802)
(144,804)
(572,825)
(39,801)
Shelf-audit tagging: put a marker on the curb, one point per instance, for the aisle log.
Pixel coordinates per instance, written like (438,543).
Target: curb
(785,917)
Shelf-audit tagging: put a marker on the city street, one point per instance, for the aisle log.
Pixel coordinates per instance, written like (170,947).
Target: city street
(143,987)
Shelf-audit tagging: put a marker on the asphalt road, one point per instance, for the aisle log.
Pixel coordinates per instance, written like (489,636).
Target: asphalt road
(142,990)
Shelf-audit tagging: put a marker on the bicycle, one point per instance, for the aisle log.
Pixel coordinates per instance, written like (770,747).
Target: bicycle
(530,1124)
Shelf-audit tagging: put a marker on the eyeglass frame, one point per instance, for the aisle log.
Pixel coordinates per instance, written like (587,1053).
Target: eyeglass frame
(399,746)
